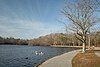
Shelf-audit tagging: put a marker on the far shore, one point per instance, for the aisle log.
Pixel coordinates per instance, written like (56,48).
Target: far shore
(65,46)
(95,48)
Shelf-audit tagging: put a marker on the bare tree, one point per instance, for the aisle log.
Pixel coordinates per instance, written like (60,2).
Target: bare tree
(81,16)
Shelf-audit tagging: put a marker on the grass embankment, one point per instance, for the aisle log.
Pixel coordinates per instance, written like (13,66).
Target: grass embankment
(87,59)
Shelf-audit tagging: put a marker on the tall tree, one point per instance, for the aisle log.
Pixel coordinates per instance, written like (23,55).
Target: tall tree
(81,16)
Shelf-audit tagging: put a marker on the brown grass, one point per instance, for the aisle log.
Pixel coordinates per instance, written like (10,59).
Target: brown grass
(87,59)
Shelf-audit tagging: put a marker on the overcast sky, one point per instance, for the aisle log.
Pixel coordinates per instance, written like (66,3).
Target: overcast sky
(30,18)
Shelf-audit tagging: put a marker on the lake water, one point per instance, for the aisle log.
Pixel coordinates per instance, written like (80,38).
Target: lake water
(26,56)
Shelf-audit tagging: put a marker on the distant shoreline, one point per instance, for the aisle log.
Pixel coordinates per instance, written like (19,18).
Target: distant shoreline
(95,48)
(11,44)
(66,46)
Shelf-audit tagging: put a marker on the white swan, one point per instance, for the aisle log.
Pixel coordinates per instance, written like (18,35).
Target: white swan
(39,53)
(36,52)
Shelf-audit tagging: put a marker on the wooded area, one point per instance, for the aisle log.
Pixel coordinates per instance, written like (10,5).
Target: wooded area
(13,41)
(64,39)
(53,39)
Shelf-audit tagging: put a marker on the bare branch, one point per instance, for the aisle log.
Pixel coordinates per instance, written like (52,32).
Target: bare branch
(80,14)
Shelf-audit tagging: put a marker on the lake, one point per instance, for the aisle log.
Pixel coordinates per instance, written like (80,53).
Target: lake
(27,56)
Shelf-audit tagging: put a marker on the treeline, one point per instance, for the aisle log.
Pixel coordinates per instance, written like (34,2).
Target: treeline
(64,39)
(13,41)
(53,39)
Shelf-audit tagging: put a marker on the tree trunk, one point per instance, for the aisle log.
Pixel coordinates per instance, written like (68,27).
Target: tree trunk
(83,48)
(89,44)
(83,44)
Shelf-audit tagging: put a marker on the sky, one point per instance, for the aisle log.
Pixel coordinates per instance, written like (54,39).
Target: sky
(28,19)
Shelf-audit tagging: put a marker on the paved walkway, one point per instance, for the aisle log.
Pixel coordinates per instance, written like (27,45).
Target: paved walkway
(63,60)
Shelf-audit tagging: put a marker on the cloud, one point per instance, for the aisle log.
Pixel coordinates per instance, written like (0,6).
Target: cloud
(27,19)
(18,27)
(24,28)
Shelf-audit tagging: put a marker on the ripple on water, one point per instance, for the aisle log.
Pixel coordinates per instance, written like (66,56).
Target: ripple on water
(24,56)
